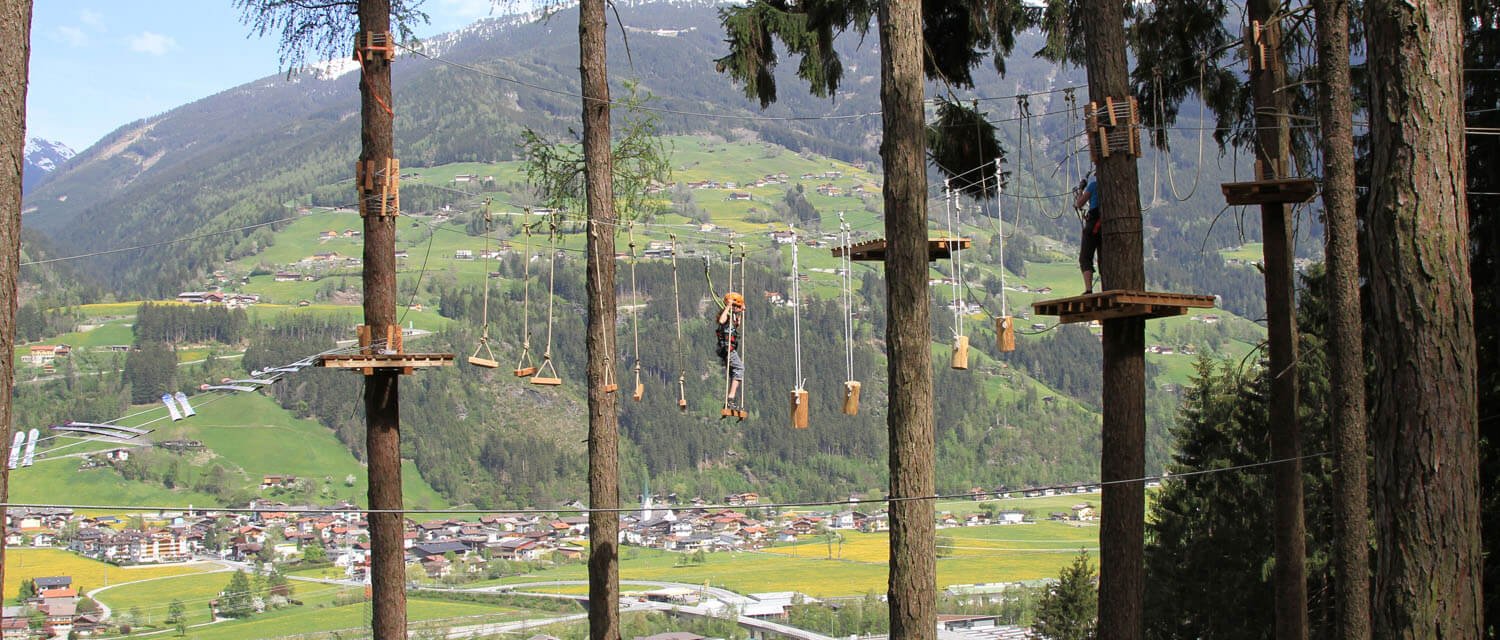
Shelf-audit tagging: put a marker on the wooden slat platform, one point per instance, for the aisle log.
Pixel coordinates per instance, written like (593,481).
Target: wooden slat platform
(1106,305)
(874,250)
(407,362)
(1283,191)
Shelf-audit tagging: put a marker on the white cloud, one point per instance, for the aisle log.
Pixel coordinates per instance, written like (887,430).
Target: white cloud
(93,19)
(73,36)
(155,44)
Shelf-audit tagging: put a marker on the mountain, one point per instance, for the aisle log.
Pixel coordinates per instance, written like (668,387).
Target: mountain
(43,158)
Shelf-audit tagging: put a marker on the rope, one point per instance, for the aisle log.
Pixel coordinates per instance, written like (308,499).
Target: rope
(957,302)
(1000,234)
(484,332)
(744,324)
(608,379)
(677,319)
(635,314)
(551,287)
(797,379)
(525,360)
(847,296)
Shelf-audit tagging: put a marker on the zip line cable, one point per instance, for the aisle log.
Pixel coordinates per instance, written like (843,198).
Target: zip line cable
(1165,477)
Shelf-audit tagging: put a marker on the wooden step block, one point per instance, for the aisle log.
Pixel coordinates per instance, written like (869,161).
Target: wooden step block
(548,382)
(525,372)
(484,362)
(799,408)
(851,398)
(640,392)
(1005,333)
(960,353)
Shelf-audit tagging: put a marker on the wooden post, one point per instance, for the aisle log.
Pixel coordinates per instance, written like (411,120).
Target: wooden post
(382,402)
(1122,522)
(912,590)
(15,57)
(603,450)
(1268,75)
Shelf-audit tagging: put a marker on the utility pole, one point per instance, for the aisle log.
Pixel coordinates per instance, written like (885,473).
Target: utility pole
(378,173)
(913,565)
(15,58)
(604,472)
(1122,522)
(1268,77)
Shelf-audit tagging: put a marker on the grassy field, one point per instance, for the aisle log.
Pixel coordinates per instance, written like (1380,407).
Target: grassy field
(25,564)
(238,429)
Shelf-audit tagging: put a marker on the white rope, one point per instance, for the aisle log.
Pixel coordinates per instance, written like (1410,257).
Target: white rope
(796,315)
(1000,234)
(957,315)
(845,268)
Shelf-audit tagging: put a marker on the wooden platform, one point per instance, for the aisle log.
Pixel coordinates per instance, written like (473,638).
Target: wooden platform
(874,250)
(1107,305)
(406,362)
(1283,191)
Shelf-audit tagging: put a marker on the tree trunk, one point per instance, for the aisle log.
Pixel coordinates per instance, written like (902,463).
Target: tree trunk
(382,403)
(1271,149)
(1346,352)
(1122,520)
(15,28)
(604,472)
(913,564)
(1427,558)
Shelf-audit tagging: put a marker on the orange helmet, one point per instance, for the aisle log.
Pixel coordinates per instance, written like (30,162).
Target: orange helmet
(735,300)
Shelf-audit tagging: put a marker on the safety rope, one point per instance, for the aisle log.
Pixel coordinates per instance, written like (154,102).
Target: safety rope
(732,335)
(608,379)
(552,234)
(958,329)
(1000,234)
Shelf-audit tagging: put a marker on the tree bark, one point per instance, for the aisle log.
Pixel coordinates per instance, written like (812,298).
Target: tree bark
(1427,558)
(1289,575)
(15,58)
(1346,353)
(1122,465)
(382,402)
(604,474)
(913,574)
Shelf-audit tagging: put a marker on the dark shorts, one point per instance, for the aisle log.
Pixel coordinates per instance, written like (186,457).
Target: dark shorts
(736,364)
(1088,247)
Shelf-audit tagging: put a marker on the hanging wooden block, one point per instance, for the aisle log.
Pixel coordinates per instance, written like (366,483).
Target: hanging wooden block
(525,372)
(799,408)
(681,395)
(960,353)
(640,392)
(1005,333)
(851,398)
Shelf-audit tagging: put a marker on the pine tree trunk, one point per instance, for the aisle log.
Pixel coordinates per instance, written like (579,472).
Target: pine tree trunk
(1424,435)
(382,403)
(1346,352)
(1123,517)
(1271,149)
(913,565)
(604,474)
(15,58)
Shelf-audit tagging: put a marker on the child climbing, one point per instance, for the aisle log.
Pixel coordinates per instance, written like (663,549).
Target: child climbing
(1089,244)
(731,317)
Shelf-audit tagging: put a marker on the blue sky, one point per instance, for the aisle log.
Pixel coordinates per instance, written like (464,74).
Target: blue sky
(99,64)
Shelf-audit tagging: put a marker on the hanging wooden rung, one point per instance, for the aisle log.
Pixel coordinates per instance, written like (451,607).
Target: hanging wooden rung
(1005,333)
(799,408)
(851,398)
(540,379)
(548,382)
(525,372)
(960,359)
(487,363)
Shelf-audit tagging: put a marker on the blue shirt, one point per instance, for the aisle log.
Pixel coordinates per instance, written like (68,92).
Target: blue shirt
(1093,191)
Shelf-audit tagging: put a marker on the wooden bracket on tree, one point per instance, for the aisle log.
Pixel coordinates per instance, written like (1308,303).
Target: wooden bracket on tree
(1114,128)
(384,356)
(379,184)
(874,250)
(1107,305)
(1255,46)
(374,45)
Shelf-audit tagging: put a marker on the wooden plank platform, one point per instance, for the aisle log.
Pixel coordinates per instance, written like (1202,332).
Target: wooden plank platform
(1106,305)
(1283,191)
(874,250)
(369,362)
